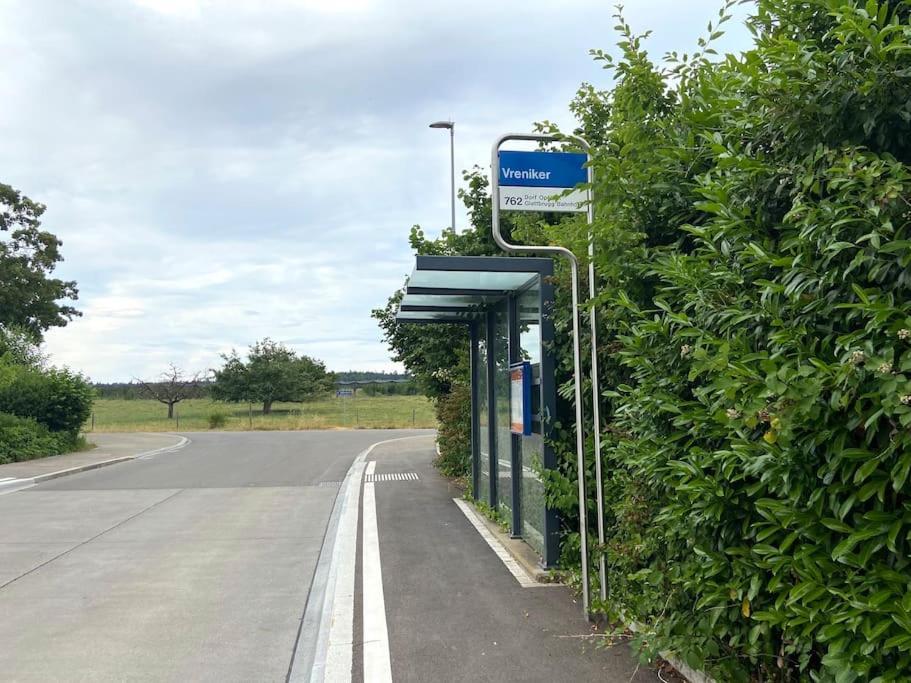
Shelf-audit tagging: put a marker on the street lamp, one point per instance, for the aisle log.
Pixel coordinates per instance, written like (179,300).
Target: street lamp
(450,125)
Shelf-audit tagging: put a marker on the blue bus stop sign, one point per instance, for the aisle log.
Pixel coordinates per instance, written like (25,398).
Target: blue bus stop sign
(537,181)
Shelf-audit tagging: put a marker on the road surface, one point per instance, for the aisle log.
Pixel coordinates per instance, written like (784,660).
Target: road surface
(263,557)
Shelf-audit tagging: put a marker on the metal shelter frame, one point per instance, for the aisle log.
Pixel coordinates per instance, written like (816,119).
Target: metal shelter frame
(472,291)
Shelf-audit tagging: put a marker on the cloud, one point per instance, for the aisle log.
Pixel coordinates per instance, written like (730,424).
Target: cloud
(224,171)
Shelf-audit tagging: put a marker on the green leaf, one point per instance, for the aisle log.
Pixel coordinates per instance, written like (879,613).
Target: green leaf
(836,525)
(865,471)
(900,472)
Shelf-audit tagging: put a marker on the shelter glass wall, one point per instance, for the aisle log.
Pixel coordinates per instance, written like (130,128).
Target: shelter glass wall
(501,401)
(532,447)
(483,418)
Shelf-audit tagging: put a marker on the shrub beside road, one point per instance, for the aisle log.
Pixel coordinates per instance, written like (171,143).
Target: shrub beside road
(41,408)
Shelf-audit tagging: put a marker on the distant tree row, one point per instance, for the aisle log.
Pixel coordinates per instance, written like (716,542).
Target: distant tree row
(406,388)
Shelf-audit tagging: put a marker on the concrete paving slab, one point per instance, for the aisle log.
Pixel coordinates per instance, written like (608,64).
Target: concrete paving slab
(206,578)
(22,557)
(207,515)
(69,516)
(221,593)
(225,611)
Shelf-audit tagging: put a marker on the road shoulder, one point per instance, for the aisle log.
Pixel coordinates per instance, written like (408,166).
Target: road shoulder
(110,449)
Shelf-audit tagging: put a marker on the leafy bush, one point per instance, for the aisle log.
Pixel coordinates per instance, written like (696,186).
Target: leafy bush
(60,400)
(753,242)
(755,245)
(25,439)
(454,434)
(217,420)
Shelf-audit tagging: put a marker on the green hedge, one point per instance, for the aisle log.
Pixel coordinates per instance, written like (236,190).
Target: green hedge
(754,248)
(58,399)
(755,245)
(25,439)
(454,433)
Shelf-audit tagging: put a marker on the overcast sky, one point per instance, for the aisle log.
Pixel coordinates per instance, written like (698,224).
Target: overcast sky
(224,170)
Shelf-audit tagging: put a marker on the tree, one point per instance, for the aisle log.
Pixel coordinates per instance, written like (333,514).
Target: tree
(173,387)
(29,297)
(272,372)
(20,347)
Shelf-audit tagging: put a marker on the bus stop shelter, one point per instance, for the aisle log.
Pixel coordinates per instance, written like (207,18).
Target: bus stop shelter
(507,305)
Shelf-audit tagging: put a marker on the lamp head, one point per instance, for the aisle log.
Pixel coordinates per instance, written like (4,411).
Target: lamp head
(443,124)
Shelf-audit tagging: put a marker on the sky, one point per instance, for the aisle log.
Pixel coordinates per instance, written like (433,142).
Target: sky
(220,171)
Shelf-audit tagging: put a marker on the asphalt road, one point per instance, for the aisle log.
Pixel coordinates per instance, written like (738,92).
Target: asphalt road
(277,556)
(194,565)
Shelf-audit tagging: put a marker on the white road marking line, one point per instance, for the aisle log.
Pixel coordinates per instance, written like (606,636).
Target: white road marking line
(7,478)
(377,660)
(336,623)
(340,648)
(517,570)
(167,449)
(12,485)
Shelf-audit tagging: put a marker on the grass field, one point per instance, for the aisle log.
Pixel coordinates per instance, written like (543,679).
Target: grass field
(363,412)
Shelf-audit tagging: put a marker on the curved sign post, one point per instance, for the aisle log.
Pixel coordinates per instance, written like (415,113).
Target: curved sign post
(549,181)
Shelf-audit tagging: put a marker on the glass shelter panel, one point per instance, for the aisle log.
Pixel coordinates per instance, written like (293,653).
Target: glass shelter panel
(501,401)
(483,431)
(532,452)
(458,279)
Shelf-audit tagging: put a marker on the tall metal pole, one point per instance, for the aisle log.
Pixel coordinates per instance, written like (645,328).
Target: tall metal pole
(450,126)
(577,361)
(452,170)
(596,398)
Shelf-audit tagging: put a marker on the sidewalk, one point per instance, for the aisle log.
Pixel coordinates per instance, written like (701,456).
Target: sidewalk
(109,447)
(454,610)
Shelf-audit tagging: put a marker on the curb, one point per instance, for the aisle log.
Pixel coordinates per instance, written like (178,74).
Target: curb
(520,551)
(311,655)
(80,468)
(19,484)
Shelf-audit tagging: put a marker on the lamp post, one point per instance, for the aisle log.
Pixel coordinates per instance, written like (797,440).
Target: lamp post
(450,126)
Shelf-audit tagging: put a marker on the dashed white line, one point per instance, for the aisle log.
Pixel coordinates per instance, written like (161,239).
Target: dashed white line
(377,660)
(392,476)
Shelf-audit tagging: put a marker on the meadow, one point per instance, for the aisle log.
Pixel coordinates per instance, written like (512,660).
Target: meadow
(363,412)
